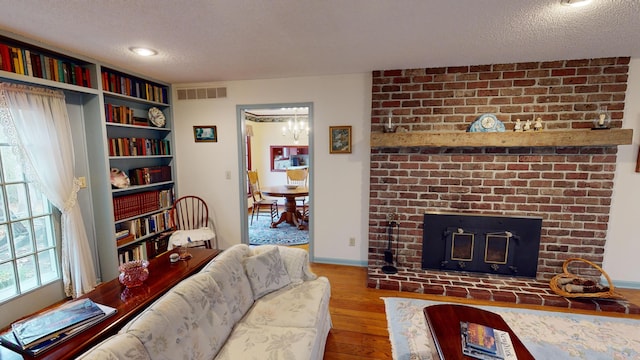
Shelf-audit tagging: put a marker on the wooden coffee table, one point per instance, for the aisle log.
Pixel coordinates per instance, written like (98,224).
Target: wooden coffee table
(444,323)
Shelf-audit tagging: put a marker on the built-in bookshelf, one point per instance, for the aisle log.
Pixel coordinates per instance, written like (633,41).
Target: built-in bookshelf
(142,150)
(111,129)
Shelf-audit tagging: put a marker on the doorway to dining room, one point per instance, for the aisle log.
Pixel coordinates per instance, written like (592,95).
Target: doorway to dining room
(273,138)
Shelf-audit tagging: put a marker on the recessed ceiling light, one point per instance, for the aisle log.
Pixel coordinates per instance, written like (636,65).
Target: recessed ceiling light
(143,51)
(575,3)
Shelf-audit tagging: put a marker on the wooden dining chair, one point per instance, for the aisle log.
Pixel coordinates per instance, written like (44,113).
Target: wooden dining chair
(300,177)
(191,213)
(258,199)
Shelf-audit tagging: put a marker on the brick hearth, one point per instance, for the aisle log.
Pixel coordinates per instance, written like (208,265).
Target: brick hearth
(489,287)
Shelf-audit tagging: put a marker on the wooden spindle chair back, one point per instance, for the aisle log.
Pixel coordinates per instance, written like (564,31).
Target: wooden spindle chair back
(190,213)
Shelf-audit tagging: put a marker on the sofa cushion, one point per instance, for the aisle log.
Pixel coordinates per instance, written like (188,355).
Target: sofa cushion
(228,272)
(268,342)
(298,306)
(295,260)
(120,346)
(266,273)
(191,321)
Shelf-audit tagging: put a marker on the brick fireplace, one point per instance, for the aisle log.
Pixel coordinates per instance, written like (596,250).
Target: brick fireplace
(569,187)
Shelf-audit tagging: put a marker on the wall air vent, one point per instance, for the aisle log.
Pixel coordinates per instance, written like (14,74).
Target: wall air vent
(202,93)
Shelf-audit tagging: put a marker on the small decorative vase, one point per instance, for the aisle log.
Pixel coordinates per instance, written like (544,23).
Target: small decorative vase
(134,273)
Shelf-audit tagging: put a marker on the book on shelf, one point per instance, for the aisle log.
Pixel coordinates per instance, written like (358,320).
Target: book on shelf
(10,340)
(125,240)
(486,343)
(6,57)
(150,175)
(131,205)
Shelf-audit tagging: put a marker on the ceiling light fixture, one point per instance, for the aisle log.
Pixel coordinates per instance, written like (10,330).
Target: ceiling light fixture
(143,51)
(574,3)
(295,128)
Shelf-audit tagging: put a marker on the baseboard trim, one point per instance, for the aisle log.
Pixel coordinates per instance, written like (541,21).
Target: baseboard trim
(340,262)
(625,284)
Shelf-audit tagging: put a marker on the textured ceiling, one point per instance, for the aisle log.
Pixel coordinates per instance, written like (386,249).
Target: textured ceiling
(214,40)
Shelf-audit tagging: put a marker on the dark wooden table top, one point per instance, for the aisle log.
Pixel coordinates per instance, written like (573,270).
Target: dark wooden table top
(444,323)
(283,191)
(163,275)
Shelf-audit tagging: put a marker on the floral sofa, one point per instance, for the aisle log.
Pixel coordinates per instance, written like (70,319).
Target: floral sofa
(247,303)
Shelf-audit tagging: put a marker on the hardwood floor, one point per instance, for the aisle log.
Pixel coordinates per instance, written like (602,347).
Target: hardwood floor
(359,321)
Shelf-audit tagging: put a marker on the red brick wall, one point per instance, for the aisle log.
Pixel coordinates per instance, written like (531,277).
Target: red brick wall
(569,187)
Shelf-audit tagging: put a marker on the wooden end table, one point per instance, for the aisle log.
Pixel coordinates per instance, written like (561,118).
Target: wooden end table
(163,275)
(444,323)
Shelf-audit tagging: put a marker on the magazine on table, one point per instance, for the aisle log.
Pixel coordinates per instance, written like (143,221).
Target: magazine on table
(486,343)
(58,322)
(9,340)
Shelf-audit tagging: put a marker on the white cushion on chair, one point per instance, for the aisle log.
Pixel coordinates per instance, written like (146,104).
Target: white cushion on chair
(188,237)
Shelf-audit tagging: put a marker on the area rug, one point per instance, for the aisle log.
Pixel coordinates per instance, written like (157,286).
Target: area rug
(547,335)
(261,233)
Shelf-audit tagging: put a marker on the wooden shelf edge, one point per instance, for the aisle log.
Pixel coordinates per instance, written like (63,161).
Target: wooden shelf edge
(561,138)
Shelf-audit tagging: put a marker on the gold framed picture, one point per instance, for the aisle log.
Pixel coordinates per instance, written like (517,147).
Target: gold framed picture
(205,133)
(340,139)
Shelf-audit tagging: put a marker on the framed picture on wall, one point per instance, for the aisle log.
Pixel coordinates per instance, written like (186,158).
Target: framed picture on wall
(340,139)
(205,133)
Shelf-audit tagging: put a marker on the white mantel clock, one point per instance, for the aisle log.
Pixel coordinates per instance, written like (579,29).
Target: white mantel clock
(487,123)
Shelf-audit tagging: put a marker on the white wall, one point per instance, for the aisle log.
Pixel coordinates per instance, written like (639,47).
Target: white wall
(621,257)
(341,181)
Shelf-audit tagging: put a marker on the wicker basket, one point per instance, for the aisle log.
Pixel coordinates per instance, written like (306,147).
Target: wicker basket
(611,294)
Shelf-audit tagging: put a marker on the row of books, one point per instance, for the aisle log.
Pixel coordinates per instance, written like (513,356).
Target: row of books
(150,175)
(39,332)
(28,62)
(146,225)
(145,250)
(486,343)
(131,205)
(119,114)
(138,147)
(127,85)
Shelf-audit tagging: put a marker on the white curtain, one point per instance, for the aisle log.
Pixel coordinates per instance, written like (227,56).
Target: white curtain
(37,123)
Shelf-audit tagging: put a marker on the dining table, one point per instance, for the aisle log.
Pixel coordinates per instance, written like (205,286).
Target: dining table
(290,215)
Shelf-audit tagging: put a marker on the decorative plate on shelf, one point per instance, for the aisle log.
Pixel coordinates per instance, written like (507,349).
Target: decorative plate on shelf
(487,123)
(119,179)
(156,117)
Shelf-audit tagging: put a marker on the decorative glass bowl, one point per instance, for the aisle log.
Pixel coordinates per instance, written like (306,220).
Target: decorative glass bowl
(134,273)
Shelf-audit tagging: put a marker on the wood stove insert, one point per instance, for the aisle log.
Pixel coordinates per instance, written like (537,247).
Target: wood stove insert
(491,244)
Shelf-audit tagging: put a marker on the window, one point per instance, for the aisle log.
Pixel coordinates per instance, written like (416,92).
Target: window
(28,245)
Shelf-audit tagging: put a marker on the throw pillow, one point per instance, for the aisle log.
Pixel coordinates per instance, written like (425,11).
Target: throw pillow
(266,273)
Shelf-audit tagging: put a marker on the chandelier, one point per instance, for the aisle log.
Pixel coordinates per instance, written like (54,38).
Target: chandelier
(295,128)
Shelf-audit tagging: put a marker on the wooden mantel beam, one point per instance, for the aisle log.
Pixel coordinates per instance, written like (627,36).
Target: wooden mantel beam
(562,138)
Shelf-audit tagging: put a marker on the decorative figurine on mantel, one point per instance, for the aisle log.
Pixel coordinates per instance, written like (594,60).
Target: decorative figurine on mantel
(603,121)
(527,126)
(537,126)
(518,126)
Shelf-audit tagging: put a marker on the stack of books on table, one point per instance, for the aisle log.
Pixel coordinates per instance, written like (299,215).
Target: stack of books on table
(486,343)
(40,332)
